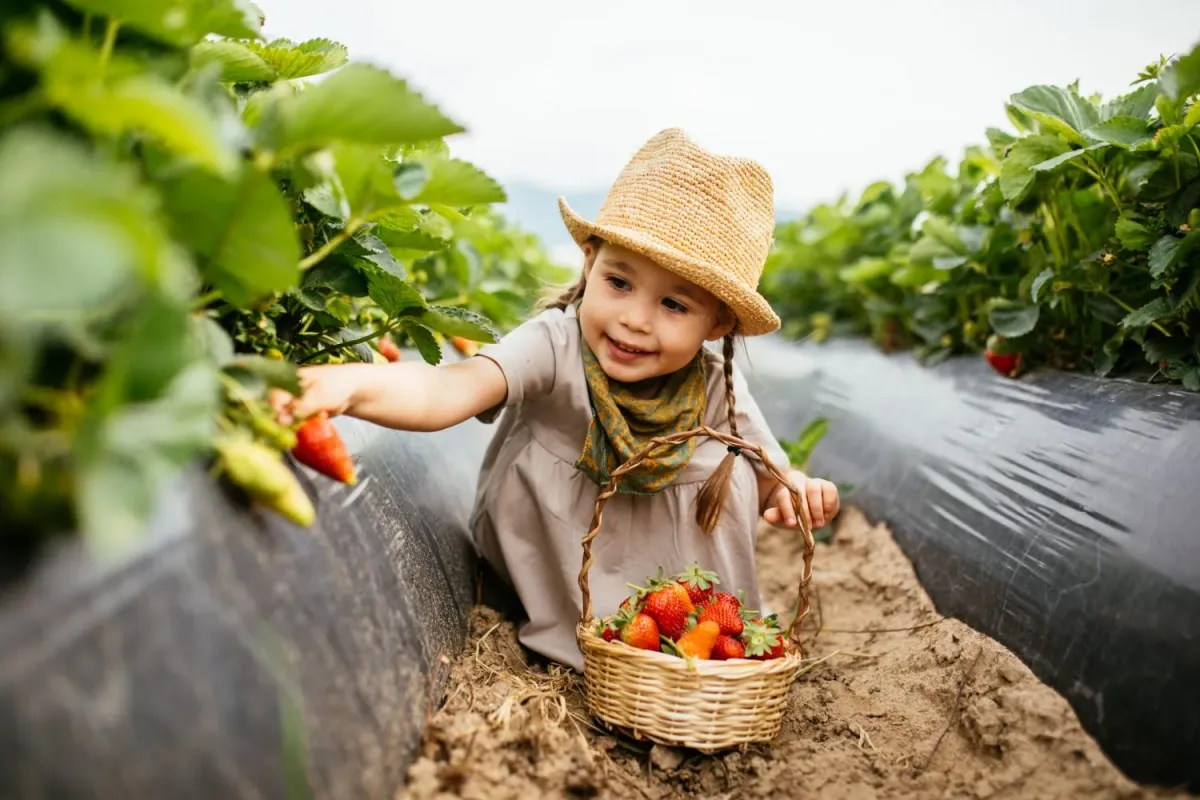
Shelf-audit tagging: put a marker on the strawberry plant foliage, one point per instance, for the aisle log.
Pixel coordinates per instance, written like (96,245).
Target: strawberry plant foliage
(1075,238)
(184,219)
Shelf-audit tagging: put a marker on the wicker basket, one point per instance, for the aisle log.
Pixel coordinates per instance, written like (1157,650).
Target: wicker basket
(706,705)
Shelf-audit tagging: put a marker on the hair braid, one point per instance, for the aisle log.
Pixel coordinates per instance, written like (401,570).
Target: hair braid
(711,498)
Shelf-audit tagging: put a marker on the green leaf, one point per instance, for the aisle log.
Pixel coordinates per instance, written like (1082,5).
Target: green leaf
(394,295)
(1164,254)
(1154,310)
(1181,205)
(238,63)
(242,230)
(361,104)
(401,219)
(291,60)
(914,275)
(1054,163)
(1138,104)
(364,180)
(1017,175)
(1000,139)
(1181,78)
(1133,235)
(1061,110)
(423,338)
(150,107)
(1191,380)
(431,234)
(866,269)
(62,207)
(453,182)
(125,457)
(1105,358)
(1035,288)
(454,321)
(943,231)
(1127,132)
(1012,319)
(178,22)
(1193,115)
(273,372)
(337,274)
(213,341)
(377,252)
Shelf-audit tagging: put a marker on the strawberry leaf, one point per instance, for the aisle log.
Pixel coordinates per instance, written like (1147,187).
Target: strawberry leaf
(362,104)
(452,182)
(423,338)
(1059,109)
(1012,319)
(1181,78)
(237,61)
(453,321)
(1154,310)
(290,60)
(1017,176)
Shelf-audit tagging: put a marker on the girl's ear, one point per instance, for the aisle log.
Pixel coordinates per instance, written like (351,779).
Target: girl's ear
(726,322)
(590,249)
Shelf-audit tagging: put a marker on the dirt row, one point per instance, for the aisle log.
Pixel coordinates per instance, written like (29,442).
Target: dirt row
(933,710)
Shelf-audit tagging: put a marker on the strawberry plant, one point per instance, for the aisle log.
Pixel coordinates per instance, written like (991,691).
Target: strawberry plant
(1071,243)
(188,211)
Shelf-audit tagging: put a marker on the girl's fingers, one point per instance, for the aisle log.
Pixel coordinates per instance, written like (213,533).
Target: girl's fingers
(787,511)
(771,515)
(813,493)
(831,502)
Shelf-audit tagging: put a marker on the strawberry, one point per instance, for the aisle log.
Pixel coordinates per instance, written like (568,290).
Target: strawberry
(699,583)
(728,647)
(608,628)
(764,639)
(1003,357)
(319,446)
(727,615)
(699,641)
(388,349)
(669,604)
(260,471)
(464,346)
(641,632)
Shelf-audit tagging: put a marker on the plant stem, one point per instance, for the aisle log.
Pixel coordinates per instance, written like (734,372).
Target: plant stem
(333,348)
(204,299)
(318,255)
(1194,146)
(1098,173)
(1130,309)
(110,39)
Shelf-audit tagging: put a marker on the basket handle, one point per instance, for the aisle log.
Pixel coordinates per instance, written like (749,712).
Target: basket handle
(799,501)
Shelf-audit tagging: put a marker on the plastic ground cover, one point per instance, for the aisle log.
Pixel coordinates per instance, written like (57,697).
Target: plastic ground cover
(1058,513)
(181,672)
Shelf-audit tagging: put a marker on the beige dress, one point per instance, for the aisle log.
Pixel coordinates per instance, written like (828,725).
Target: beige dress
(533,507)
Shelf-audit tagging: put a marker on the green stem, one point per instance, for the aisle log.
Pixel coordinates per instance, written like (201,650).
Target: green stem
(1052,238)
(1130,309)
(333,348)
(1194,146)
(110,39)
(1098,173)
(203,300)
(335,241)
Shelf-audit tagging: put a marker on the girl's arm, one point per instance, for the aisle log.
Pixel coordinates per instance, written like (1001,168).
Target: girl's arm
(409,396)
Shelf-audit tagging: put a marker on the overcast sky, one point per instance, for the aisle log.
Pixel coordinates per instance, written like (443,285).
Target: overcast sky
(829,96)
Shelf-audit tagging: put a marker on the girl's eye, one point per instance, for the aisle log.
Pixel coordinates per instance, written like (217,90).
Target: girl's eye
(617,283)
(675,305)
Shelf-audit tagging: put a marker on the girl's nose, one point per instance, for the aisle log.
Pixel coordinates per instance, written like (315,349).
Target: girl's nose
(635,318)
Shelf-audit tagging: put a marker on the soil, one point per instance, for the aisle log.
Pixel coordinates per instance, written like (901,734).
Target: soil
(938,710)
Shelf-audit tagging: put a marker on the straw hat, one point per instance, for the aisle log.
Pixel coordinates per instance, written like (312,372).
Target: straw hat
(706,217)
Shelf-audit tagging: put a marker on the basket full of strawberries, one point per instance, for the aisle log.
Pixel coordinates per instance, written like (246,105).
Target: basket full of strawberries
(682,663)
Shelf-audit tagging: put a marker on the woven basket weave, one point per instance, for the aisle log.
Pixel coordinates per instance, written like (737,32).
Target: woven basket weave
(706,705)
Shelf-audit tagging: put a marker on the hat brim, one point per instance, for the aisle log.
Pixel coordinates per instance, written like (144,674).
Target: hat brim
(754,314)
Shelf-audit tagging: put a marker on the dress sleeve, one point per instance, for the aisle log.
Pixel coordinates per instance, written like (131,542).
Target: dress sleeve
(527,357)
(752,425)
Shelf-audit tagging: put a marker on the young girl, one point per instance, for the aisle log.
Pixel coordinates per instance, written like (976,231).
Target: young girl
(672,261)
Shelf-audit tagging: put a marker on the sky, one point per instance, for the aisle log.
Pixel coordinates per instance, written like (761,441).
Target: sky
(828,96)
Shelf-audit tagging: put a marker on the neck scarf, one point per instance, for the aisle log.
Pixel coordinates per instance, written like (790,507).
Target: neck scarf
(623,424)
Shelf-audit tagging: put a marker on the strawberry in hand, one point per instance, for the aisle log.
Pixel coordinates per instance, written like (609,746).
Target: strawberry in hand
(319,446)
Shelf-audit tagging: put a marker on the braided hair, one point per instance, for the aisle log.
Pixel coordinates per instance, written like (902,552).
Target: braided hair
(711,498)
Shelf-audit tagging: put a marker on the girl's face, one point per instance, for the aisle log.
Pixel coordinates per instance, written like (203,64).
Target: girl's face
(641,320)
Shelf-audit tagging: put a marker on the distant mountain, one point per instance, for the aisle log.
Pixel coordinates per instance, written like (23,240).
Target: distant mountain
(536,210)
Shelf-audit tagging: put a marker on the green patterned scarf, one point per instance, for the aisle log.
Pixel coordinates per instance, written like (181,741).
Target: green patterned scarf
(622,425)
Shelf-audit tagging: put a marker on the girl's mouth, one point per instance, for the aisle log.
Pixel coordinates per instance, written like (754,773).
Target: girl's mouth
(624,352)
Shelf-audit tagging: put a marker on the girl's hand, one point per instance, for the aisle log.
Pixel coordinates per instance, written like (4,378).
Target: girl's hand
(328,388)
(818,495)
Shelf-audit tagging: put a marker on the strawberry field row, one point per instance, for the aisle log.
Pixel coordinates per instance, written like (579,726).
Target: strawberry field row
(184,219)
(1073,243)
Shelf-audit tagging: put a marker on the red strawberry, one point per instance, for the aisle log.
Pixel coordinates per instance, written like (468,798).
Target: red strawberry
(318,445)
(699,583)
(728,647)
(764,639)
(641,632)
(668,603)
(388,349)
(1003,357)
(727,615)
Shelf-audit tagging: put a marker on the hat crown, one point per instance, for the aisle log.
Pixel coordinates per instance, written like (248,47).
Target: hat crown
(714,209)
